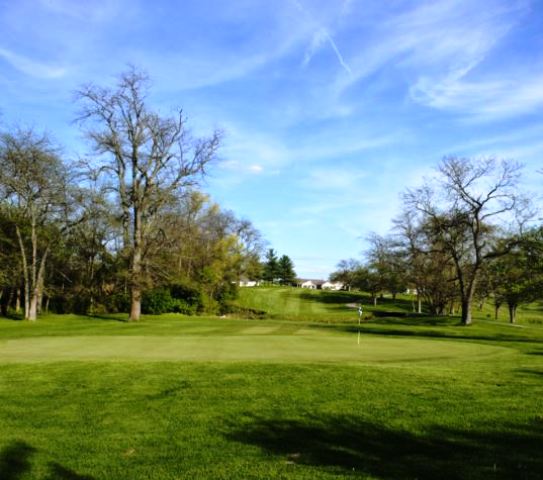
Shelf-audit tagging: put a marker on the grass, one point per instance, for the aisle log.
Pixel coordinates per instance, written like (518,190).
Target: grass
(292,396)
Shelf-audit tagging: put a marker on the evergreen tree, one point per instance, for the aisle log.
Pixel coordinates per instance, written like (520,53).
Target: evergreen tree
(286,273)
(271,266)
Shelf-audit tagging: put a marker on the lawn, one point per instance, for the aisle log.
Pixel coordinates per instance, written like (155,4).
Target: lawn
(292,396)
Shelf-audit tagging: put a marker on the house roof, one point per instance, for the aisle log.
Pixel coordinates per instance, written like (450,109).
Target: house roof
(313,281)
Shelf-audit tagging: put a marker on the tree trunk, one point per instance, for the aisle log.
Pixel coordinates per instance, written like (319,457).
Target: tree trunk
(135,304)
(466,311)
(37,287)
(136,270)
(33,307)
(512,313)
(375,300)
(40,297)
(467,295)
(26,276)
(419,304)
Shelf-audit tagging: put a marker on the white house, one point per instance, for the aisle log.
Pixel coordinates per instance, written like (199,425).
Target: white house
(245,282)
(332,286)
(311,284)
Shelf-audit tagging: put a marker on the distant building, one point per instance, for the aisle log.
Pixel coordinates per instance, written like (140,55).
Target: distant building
(245,282)
(332,286)
(311,284)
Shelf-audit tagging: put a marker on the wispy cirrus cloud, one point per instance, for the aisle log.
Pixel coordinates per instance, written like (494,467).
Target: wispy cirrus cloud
(251,152)
(29,66)
(439,47)
(490,99)
(321,35)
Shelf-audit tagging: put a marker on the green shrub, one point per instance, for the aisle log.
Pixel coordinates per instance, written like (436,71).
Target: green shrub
(180,305)
(210,305)
(117,303)
(59,304)
(157,301)
(80,304)
(190,298)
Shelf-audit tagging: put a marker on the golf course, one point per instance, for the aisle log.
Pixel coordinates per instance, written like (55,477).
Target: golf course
(291,387)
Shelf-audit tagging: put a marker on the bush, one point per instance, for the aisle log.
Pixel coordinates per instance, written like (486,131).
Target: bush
(245,312)
(117,303)
(59,304)
(187,297)
(182,306)
(157,301)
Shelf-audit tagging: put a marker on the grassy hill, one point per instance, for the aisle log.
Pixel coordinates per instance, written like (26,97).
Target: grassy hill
(337,307)
(294,395)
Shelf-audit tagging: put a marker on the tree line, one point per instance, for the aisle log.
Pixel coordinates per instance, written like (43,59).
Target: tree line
(464,237)
(125,228)
(278,270)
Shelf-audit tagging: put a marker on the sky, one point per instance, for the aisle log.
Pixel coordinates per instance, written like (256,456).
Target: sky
(330,108)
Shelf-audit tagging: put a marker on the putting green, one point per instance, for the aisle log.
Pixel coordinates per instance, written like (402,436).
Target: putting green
(251,345)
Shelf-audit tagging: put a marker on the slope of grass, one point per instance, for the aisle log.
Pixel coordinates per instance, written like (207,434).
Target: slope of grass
(390,317)
(176,397)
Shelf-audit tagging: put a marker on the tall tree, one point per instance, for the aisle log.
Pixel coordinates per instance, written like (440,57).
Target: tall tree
(428,269)
(271,272)
(346,272)
(285,270)
(386,259)
(517,277)
(33,186)
(151,158)
(463,212)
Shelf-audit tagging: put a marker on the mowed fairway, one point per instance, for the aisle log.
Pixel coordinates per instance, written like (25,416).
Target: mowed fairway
(184,397)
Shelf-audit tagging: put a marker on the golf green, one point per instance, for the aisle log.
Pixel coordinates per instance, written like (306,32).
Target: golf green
(257,343)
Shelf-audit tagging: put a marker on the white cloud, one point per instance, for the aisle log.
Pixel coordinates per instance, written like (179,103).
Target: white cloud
(322,35)
(439,47)
(482,100)
(32,67)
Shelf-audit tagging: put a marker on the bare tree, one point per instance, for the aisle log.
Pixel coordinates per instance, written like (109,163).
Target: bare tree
(150,157)
(427,267)
(33,185)
(385,257)
(464,212)
(346,272)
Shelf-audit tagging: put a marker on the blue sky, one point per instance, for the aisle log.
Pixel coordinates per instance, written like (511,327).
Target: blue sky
(330,108)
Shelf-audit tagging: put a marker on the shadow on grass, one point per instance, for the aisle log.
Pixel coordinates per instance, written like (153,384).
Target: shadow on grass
(351,446)
(15,464)
(16,317)
(58,472)
(386,306)
(413,319)
(15,460)
(393,328)
(106,317)
(537,373)
(331,298)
